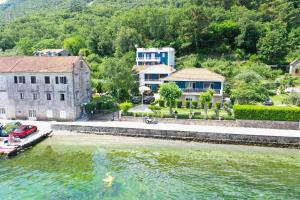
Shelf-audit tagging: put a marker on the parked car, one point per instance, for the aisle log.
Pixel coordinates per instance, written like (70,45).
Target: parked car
(269,103)
(11,126)
(24,131)
(148,99)
(3,133)
(136,99)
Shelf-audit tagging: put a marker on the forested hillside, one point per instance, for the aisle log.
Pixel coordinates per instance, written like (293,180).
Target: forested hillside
(224,35)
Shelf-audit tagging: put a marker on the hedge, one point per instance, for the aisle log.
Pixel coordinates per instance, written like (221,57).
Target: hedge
(179,116)
(275,113)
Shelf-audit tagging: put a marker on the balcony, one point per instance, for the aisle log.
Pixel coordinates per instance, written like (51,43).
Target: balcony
(194,90)
(148,59)
(152,80)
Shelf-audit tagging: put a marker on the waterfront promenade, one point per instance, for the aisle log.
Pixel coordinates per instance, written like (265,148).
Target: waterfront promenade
(238,135)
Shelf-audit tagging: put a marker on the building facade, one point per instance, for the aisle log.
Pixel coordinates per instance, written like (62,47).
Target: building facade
(43,88)
(194,81)
(52,52)
(152,76)
(294,67)
(154,64)
(155,56)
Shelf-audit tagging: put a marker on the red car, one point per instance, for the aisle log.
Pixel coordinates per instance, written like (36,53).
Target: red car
(24,131)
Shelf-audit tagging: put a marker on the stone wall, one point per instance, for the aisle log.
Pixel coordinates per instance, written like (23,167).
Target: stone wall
(230,123)
(228,138)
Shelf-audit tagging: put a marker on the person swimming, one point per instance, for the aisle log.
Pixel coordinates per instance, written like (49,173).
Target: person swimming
(108,180)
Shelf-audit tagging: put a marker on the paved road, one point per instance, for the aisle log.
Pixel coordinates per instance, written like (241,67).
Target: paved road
(196,128)
(140,108)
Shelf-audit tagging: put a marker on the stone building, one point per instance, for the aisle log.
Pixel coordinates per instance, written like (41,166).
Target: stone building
(43,88)
(295,67)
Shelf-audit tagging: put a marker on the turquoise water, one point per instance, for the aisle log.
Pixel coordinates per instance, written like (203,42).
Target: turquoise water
(155,170)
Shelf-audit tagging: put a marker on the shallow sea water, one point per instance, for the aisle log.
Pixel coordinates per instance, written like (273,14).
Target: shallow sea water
(75,168)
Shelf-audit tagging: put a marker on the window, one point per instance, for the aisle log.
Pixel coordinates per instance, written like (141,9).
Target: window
(21,95)
(207,85)
(22,79)
(35,96)
(48,96)
(2,111)
(56,79)
(63,80)
(47,79)
(16,79)
(33,79)
(32,114)
(62,97)
(190,85)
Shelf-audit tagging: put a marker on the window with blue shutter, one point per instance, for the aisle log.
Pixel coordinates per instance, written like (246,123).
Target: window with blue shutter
(217,85)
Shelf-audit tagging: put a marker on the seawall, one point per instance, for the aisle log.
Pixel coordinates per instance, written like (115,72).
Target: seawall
(246,136)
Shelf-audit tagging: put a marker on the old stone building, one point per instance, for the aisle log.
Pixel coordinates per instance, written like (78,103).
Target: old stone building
(295,67)
(43,88)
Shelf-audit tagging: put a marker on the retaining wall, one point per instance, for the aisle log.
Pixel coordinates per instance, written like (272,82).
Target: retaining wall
(230,123)
(229,138)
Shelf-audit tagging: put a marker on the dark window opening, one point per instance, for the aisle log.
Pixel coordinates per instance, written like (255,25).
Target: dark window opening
(33,79)
(62,97)
(48,96)
(47,79)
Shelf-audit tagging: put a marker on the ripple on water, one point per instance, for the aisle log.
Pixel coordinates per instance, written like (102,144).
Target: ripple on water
(154,171)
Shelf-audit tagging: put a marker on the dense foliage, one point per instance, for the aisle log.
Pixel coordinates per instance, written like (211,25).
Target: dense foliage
(226,36)
(277,113)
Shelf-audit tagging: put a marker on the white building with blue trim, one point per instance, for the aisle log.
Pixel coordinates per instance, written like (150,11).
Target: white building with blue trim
(154,64)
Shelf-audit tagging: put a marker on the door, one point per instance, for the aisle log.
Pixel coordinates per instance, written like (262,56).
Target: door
(49,114)
(32,115)
(2,113)
(63,114)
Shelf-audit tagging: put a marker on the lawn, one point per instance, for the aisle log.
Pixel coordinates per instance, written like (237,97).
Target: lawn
(278,99)
(211,112)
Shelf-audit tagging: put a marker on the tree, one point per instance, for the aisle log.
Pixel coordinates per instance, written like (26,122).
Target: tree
(249,93)
(126,40)
(47,44)
(273,46)
(119,80)
(74,44)
(205,100)
(77,5)
(249,77)
(25,46)
(170,92)
(249,37)
(6,42)
(100,42)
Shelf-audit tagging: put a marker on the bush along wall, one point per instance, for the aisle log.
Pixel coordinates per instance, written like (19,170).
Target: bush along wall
(275,113)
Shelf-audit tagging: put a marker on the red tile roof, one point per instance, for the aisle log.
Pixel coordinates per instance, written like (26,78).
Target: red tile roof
(37,64)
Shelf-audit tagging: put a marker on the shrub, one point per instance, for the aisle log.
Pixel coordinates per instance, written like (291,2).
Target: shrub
(276,113)
(161,102)
(218,105)
(172,104)
(126,106)
(187,104)
(195,104)
(210,105)
(179,104)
